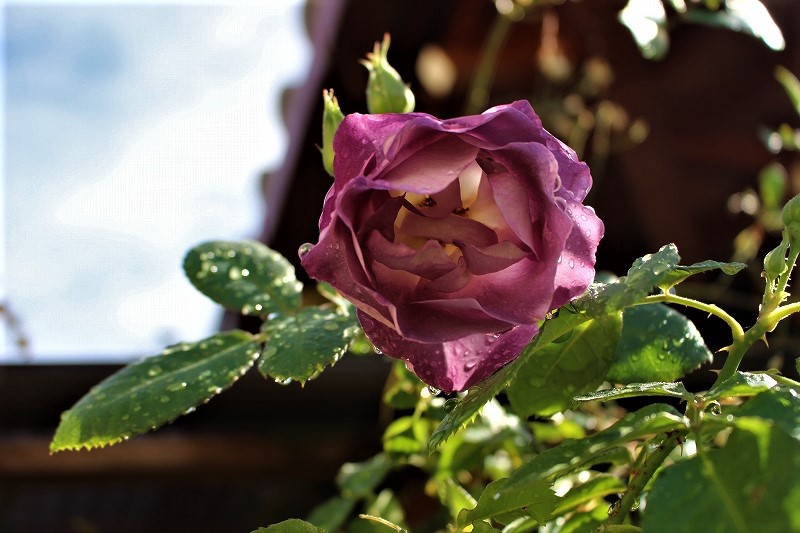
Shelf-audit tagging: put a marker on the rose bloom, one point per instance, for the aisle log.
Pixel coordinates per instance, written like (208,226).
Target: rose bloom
(454,238)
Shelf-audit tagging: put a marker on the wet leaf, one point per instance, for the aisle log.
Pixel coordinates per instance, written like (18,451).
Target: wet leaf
(154,391)
(742,384)
(663,388)
(657,344)
(647,22)
(576,363)
(246,277)
(300,346)
(680,273)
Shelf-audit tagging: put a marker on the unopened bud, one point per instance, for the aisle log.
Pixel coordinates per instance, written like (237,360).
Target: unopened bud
(331,118)
(386,92)
(775,261)
(791,221)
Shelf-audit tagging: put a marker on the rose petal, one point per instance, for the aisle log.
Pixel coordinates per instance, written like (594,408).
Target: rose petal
(488,259)
(576,269)
(430,261)
(449,229)
(454,365)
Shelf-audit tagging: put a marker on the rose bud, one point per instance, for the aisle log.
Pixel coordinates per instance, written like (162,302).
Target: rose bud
(331,118)
(790,215)
(386,92)
(454,238)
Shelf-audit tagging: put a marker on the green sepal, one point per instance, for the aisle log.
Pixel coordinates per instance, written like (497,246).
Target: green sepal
(154,391)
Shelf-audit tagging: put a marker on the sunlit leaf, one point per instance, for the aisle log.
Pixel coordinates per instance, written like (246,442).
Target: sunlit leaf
(246,277)
(742,384)
(300,346)
(657,344)
(790,84)
(598,487)
(387,513)
(529,484)
(663,388)
(573,364)
(749,485)
(290,526)
(154,391)
(681,272)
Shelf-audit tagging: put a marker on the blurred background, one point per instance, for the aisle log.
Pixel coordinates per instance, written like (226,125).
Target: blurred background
(132,132)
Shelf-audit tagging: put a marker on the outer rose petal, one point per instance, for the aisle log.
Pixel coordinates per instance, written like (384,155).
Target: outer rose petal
(454,365)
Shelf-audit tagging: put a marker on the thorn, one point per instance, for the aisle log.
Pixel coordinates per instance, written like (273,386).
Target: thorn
(764,338)
(725,349)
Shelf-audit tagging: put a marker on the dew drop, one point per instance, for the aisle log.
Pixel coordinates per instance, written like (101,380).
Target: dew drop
(270,351)
(213,269)
(304,249)
(433,390)
(245,272)
(231,253)
(234,273)
(283,381)
(496,496)
(571,263)
(469,366)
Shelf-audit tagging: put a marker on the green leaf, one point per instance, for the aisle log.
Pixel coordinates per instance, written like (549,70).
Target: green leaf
(454,496)
(526,485)
(645,274)
(478,395)
(358,480)
(742,384)
(657,344)
(779,406)
(749,485)
(790,84)
(300,346)
(663,388)
(246,277)
(598,487)
(154,391)
(680,273)
(290,526)
(482,527)
(575,363)
(537,499)
(331,514)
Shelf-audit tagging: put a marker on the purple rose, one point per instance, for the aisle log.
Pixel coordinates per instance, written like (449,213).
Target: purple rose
(453,238)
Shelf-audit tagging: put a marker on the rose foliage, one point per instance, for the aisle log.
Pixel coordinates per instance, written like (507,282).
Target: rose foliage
(454,238)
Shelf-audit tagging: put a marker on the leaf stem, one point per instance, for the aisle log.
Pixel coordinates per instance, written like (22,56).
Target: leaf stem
(737,332)
(639,478)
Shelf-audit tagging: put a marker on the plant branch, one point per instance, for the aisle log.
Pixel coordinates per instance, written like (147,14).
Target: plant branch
(478,93)
(639,478)
(737,332)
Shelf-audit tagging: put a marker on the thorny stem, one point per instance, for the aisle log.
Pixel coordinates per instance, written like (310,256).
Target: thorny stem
(640,477)
(736,329)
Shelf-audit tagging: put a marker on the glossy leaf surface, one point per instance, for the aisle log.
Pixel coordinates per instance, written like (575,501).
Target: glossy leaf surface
(246,277)
(575,363)
(154,391)
(300,346)
(657,344)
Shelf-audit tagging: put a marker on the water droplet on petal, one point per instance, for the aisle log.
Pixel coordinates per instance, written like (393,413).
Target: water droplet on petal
(304,249)
(571,263)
